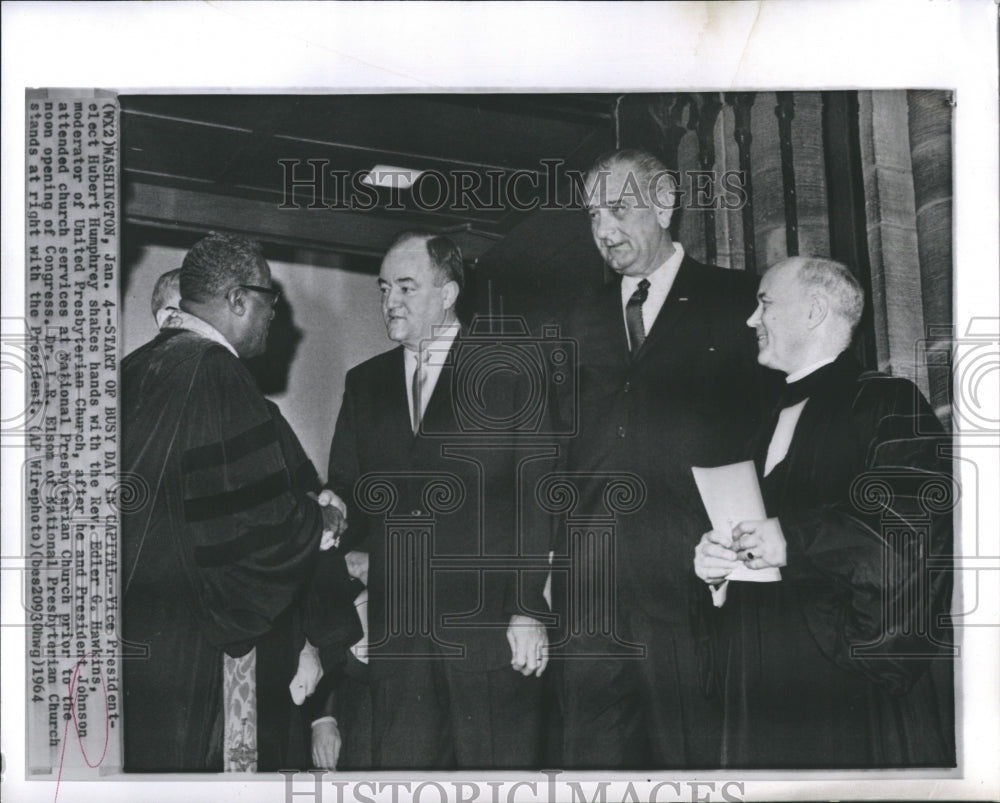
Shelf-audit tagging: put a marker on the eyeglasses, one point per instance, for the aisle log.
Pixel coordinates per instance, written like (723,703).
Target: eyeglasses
(270,291)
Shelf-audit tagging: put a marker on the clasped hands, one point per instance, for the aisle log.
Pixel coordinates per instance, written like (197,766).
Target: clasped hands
(755,544)
(529,645)
(334,518)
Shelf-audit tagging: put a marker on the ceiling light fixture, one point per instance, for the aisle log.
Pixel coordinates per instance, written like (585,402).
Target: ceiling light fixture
(391,177)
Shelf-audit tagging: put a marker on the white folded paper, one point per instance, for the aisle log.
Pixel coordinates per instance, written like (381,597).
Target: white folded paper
(731,494)
(360,649)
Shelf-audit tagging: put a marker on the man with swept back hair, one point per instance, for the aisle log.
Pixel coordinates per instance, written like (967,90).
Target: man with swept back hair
(456,652)
(647,181)
(667,380)
(228,536)
(844,662)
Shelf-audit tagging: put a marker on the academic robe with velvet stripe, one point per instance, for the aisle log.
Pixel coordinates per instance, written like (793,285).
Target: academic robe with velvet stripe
(845,662)
(216,545)
(325,609)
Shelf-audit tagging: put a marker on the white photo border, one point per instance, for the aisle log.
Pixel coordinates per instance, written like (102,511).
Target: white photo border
(271,47)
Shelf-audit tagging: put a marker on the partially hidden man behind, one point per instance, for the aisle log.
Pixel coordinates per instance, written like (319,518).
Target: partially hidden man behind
(227,536)
(844,662)
(455,648)
(667,380)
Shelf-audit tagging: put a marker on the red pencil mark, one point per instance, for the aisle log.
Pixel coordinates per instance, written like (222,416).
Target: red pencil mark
(76,723)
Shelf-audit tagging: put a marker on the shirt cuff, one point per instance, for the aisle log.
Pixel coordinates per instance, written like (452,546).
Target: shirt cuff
(327,718)
(719,593)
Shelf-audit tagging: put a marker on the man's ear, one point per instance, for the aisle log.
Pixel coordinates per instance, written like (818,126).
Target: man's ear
(664,211)
(449,293)
(236,300)
(819,308)
(666,198)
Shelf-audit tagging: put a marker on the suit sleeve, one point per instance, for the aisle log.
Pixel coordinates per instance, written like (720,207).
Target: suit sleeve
(886,551)
(524,591)
(252,534)
(344,467)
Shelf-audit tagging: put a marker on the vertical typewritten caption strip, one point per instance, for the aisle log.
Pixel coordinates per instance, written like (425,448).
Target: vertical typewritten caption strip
(70,431)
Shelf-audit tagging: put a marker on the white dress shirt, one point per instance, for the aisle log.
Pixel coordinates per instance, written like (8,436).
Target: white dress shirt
(434,354)
(660,282)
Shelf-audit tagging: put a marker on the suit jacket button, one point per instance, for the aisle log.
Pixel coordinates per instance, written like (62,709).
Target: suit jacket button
(628,387)
(416,512)
(621,432)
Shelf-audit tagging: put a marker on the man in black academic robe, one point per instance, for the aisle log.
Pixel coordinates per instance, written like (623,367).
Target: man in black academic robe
(845,661)
(219,536)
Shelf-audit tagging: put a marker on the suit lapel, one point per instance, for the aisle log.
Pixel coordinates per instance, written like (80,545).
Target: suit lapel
(610,318)
(397,398)
(681,298)
(439,413)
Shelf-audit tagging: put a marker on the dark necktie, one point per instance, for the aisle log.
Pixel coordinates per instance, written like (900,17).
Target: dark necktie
(416,390)
(633,316)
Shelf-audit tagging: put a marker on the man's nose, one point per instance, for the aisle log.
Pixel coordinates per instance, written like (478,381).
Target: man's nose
(754,319)
(602,225)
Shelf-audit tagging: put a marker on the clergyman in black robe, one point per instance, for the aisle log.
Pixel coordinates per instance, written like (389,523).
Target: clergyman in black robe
(845,662)
(219,538)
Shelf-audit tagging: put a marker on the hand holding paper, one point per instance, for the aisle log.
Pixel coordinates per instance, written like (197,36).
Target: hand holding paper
(731,495)
(760,544)
(714,560)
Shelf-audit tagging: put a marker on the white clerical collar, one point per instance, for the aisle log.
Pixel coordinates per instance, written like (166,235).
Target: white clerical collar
(435,350)
(662,277)
(802,373)
(195,324)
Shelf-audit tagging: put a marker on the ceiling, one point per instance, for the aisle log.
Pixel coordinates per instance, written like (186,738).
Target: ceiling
(192,163)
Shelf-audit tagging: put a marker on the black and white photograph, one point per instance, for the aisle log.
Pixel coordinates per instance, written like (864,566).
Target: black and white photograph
(520,436)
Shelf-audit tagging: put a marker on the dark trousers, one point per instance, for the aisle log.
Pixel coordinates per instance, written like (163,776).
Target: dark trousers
(354,716)
(428,714)
(649,712)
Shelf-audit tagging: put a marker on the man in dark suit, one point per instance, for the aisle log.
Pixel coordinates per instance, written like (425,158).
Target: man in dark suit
(844,662)
(455,646)
(667,381)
